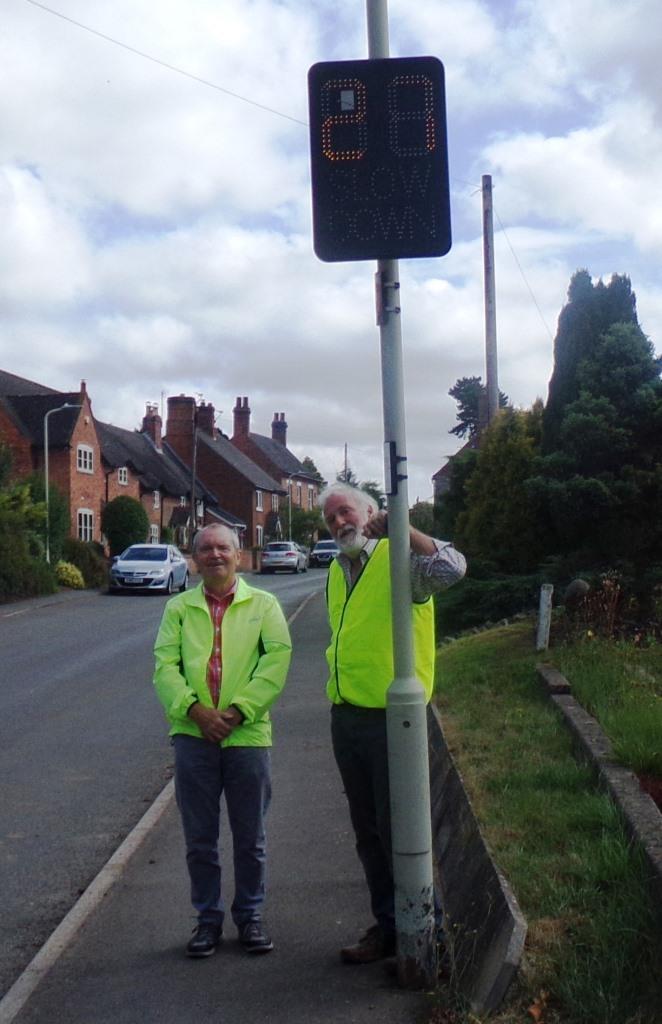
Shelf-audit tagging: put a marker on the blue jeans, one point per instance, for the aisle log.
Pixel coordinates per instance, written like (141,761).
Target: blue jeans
(203,772)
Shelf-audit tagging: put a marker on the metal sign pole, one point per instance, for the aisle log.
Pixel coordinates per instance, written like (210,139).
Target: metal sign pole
(406,712)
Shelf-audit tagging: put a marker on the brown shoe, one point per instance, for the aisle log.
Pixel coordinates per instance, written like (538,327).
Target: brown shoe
(374,945)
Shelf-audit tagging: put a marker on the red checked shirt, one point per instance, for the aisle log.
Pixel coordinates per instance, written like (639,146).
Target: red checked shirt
(217,609)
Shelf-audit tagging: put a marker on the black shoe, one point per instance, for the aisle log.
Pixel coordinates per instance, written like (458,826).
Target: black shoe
(376,944)
(254,939)
(205,939)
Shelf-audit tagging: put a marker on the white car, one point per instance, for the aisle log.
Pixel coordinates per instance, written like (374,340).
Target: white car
(149,567)
(283,554)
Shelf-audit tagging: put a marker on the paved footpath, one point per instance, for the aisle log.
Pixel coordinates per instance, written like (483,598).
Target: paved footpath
(126,964)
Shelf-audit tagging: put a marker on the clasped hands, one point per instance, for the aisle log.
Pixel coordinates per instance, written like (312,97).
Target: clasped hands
(213,724)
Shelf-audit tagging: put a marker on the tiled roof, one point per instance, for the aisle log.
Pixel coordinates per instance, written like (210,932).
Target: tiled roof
(240,462)
(28,413)
(281,457)
(10,384)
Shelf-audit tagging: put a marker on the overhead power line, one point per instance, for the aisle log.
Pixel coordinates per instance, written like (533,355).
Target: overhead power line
(164,64)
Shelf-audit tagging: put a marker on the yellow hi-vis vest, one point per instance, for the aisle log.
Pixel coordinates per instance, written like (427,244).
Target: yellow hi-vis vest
(360,655)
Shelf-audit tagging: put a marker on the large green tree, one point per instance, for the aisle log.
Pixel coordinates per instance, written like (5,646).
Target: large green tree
(590,312)
(471,396)
(124,522)
(497,525)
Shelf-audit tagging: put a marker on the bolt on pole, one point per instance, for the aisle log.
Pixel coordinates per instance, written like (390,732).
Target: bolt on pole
(406,716)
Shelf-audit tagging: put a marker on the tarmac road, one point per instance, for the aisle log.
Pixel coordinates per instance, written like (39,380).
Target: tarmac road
(83,747)
(126,964)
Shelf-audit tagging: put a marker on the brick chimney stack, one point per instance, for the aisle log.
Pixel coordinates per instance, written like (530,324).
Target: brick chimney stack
(152,425)
(206,415)
(242,418)
(179,425)
(279,429)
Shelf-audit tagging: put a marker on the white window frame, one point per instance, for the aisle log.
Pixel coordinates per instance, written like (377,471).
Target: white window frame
(85,458)
(299,495)
(274,502)
(311,497)
(182,500)
(157,499)
(85,524)
(153,533)
(123,476)
(258,501)
(259,535)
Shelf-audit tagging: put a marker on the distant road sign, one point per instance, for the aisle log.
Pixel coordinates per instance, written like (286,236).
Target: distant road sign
(379,159)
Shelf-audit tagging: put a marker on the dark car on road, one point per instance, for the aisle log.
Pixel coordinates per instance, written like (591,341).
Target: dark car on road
(323,553)
(149,567)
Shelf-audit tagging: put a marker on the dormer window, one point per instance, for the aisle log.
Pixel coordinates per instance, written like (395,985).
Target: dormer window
(123,476)
(84,458)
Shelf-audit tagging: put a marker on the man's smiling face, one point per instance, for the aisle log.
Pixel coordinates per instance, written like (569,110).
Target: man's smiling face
(345,520)
(217,557)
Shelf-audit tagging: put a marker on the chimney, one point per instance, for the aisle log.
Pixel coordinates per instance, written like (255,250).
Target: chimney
(206,418)
(242,418)
(279,429)
(181,413)
(152,425)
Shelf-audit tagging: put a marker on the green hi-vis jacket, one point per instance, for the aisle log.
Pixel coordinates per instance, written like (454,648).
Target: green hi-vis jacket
(256,650)
(360,655)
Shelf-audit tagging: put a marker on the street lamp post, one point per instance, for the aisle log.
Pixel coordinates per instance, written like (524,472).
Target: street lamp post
(67,405)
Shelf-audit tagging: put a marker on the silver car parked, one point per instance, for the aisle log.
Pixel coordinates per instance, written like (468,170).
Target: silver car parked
(149,567)
(283,554)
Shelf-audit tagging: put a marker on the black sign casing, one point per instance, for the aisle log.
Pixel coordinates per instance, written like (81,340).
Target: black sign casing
(379,159)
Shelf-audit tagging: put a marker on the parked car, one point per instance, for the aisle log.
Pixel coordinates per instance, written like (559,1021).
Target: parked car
(283,554)
(323,553)
(149,567)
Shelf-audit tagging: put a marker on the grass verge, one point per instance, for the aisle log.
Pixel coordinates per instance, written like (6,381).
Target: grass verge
(621,686)
(593,948)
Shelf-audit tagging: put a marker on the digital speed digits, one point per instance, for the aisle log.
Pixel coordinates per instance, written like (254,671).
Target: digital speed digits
(378,159)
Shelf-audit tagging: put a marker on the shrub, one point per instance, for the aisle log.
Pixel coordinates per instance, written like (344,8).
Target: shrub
(124,522)
(85,556)
(473,602)
(20,574)
(69,575)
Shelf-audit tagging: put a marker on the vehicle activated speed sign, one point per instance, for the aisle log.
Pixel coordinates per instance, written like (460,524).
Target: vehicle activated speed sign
(379,159)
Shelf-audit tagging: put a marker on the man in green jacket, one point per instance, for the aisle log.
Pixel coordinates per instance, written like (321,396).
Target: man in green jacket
(222,655)
(360,659)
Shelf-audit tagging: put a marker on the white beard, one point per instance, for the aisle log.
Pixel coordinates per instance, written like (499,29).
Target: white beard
(351,542)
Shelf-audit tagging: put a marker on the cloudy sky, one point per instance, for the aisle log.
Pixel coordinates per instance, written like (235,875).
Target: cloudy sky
(155,205)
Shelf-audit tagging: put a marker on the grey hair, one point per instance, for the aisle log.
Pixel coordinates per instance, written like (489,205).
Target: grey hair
(214,526)
(361,499)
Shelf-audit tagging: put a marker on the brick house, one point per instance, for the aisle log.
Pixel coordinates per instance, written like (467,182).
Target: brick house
(91,462)
(140,464)
(275,458)
(74,450)
(246,490)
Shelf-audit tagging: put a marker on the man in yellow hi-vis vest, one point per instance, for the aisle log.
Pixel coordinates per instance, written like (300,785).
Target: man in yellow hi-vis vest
(360,659)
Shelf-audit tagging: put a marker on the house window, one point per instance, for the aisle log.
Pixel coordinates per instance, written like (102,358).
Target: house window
(274,502)
(84,459)
(153,533)
(311,496)
(85,524)
(299,495)
(123,475)
(258,501)
(182,500)
(157,499)
(259,533)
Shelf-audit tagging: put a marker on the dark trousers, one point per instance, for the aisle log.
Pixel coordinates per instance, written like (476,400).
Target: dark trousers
(204,771)
(359,746)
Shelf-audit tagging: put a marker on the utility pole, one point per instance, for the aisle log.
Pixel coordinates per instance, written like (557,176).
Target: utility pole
(194,469)
(406,716)
(491,375)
